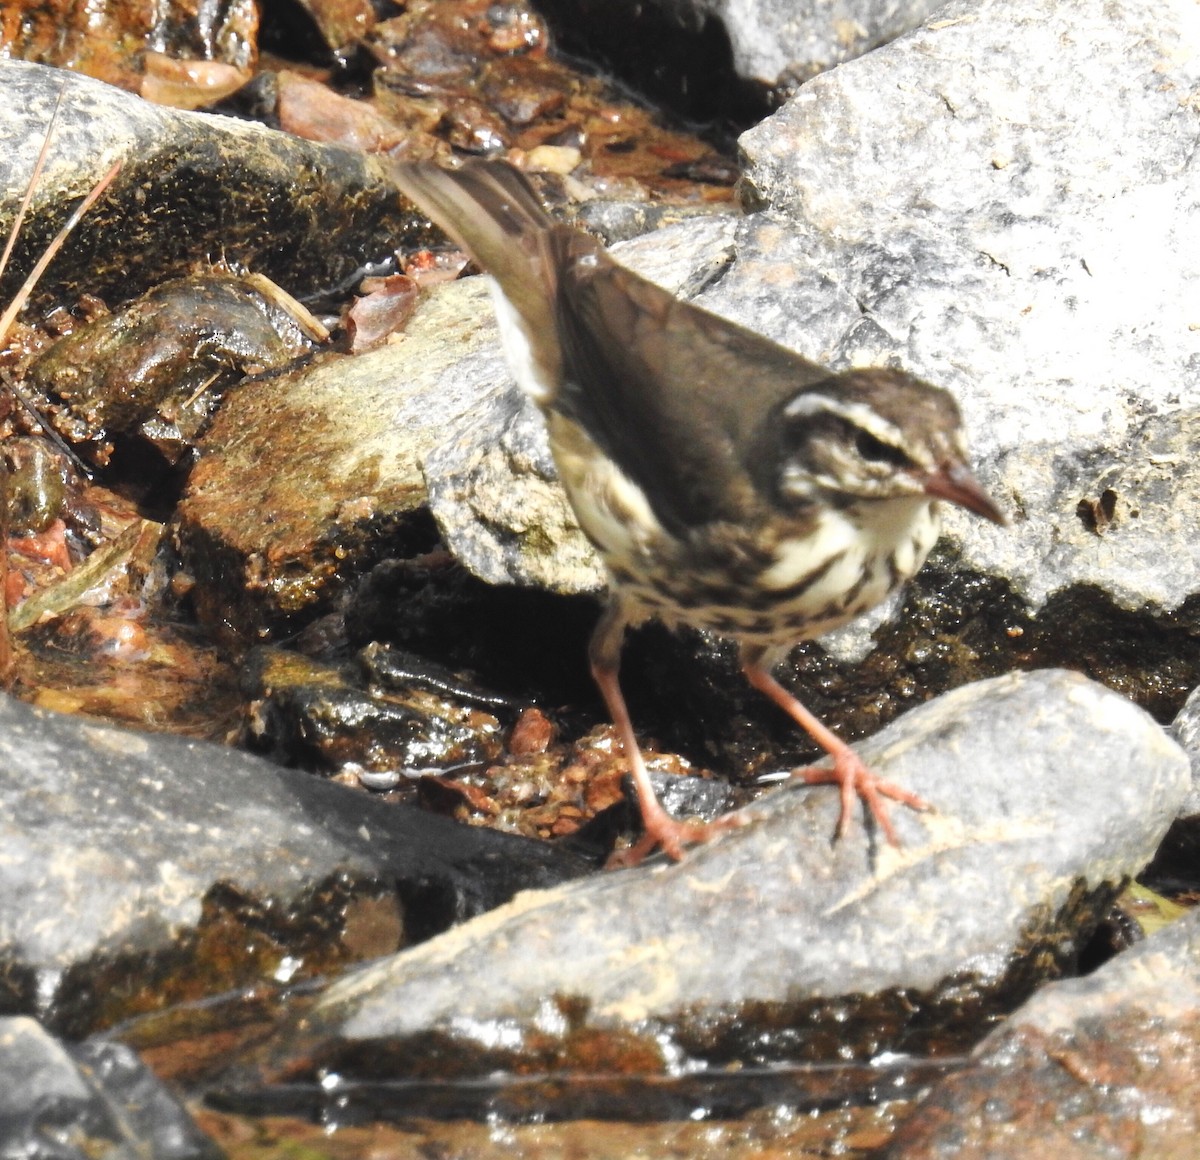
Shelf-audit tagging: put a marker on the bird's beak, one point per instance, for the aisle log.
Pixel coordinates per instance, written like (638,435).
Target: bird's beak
(954,482)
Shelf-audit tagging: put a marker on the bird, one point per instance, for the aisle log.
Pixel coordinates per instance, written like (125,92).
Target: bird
(726,481)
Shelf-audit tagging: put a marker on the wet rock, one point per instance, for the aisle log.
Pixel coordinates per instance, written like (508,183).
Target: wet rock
(313,111)
(332,716)
(159,366)
(432,45)
(471,126)
(342,23)
(37,483)
(769,945)
(525,89)
(1098,1068)
(189,84)
(71,1102)
(192,188)
(393,670)
(137,870)
(272,528)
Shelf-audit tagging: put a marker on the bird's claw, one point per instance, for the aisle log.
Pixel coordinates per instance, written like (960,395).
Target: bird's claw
(665,833)
(852,776)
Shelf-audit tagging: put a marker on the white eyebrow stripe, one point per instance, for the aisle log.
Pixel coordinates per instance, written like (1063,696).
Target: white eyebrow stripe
(809,404)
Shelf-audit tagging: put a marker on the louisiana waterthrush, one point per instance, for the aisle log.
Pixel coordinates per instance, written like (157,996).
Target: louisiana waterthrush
(726,481)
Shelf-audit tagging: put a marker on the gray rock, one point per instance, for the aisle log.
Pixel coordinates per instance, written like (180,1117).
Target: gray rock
(525,534)
(193,189)
(614,221)
(1186,728)
(1098,1068)
(1176,866)
(776,42)
(770,43)
(121,852)
(1014,226)
(768,944)
(60,1102)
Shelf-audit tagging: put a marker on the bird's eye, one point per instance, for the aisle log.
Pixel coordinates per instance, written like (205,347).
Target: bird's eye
(875,450)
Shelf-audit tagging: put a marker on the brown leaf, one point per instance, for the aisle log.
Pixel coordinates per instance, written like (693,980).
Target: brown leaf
(313,111)
(382,311)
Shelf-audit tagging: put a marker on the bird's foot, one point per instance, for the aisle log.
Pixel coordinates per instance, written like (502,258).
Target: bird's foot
(851,775)
(661,831)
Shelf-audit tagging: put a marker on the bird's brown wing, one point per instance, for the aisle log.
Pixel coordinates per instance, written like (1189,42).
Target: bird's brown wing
(679,397)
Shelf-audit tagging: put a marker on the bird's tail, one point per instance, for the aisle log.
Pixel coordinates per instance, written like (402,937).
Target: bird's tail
(492,212)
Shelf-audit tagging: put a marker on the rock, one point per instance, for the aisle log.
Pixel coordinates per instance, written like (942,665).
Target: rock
(192,188)
(73,1102)
(137,869)
(158,367)
(1186,728)
(689,52)
(342,25)
(1098,1068)
(507,534)
(613,220)
(1002,242)
(273,528)
(1176,866)
(326,717)
(768,945)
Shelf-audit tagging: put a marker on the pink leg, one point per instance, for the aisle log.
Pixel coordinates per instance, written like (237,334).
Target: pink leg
(849,771)
(660,829)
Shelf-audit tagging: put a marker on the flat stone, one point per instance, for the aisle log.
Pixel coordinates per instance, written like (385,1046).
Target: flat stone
(122,852)
(768,944)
